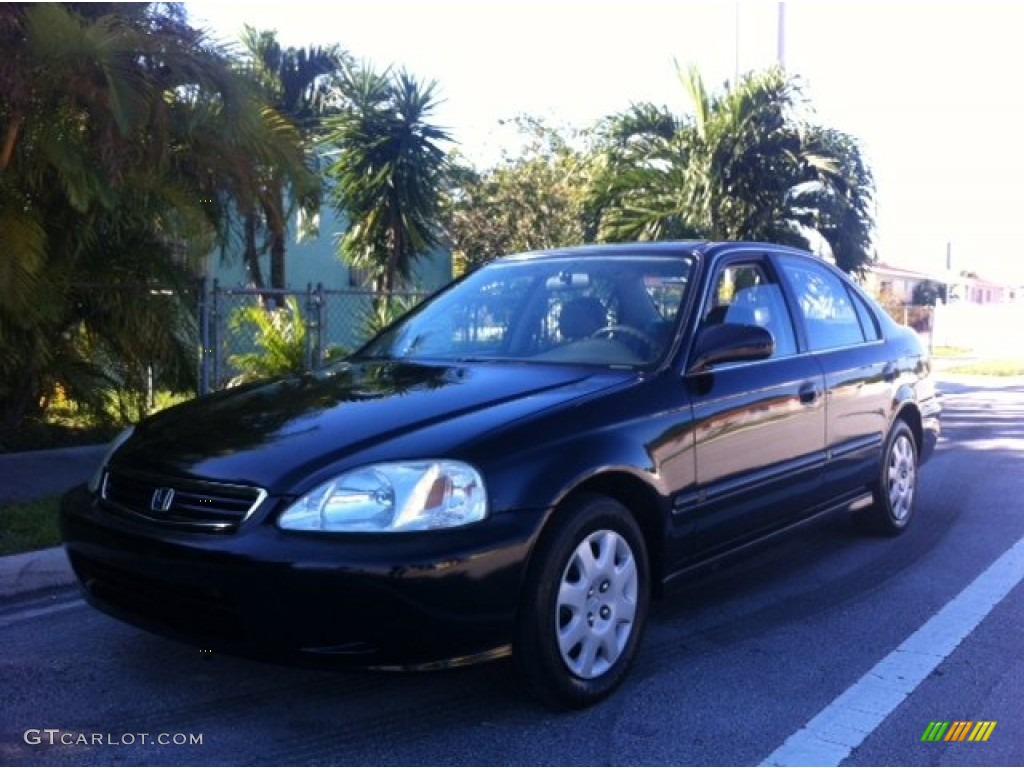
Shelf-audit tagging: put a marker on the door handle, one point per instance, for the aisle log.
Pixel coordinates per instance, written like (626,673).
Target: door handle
(889,372)
(808,394)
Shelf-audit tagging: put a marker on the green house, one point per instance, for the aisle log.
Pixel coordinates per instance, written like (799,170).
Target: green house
(315,260)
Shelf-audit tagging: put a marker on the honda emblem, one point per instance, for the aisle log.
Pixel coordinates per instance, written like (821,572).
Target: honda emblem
(162,499)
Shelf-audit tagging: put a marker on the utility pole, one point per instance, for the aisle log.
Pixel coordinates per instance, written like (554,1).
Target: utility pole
(946,299)
(780,51)
(736,29)
(780,40)
(950,278)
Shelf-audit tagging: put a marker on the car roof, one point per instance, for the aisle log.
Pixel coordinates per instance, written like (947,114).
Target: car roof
(661,248)
(655,248)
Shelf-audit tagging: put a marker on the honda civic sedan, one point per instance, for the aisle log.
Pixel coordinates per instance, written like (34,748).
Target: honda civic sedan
(518,466)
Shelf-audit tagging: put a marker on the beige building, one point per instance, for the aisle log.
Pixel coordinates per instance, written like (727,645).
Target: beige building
(896,285)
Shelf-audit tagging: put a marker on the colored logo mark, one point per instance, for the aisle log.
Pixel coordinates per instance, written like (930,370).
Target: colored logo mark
(959,730)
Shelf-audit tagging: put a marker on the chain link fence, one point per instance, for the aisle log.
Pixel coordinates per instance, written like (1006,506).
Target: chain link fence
(987,329)
(917,316)
(327,323)
(332,322)
(981,329)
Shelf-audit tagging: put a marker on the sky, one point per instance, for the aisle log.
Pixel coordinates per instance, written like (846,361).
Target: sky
(930,89)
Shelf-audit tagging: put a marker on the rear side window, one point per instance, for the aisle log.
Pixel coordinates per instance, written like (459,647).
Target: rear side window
(826,307)
(868,322)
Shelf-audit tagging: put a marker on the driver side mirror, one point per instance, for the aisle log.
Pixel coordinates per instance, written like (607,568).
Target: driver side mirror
(729,343)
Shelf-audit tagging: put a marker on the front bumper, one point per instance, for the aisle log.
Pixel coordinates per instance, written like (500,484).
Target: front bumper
(931,426)
(389,600)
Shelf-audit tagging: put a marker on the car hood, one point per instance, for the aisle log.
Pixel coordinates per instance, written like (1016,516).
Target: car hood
(279,434)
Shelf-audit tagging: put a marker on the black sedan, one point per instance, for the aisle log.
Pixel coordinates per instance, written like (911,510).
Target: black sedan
(517,466)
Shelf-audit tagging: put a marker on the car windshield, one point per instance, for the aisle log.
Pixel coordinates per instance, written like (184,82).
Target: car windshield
(607,310)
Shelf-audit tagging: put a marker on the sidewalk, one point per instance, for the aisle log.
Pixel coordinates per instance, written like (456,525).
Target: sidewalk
(34,571)
(29,476)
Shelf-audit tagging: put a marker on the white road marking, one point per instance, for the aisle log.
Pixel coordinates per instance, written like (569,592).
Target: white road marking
(830,736)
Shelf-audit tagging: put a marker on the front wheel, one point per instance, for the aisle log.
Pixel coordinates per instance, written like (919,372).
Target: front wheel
(896,487)
(585,604)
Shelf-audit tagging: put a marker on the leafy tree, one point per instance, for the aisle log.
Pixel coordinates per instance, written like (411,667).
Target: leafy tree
(533,200)
(282,341)
(389,172)
(927,293)
(124,139)
(298,84)
(379,315)
(744,165)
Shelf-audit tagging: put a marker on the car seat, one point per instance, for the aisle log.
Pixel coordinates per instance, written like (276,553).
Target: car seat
(581,317)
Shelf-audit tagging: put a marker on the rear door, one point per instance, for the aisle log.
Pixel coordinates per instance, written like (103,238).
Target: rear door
(843,335)
(759,426)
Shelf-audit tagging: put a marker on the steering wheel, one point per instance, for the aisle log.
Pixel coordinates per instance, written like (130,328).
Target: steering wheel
(652,346)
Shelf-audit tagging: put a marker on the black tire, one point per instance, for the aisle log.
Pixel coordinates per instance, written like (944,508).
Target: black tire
(896,487)
(584,604)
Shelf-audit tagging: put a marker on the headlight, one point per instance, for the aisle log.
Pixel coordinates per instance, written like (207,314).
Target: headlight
(97,476)
(404,496)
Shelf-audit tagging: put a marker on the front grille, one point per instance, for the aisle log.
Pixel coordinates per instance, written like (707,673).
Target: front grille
(179,503)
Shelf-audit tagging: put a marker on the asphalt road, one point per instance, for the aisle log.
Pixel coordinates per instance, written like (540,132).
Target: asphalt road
(733,667)
(35,474)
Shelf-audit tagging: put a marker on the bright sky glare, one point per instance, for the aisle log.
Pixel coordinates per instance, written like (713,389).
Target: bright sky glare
(929,88)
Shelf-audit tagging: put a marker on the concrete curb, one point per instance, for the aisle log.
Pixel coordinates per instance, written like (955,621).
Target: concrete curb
(33,571)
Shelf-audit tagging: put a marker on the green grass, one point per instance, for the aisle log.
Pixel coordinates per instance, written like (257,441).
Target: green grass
(30,525)
(951,351)
(990,368)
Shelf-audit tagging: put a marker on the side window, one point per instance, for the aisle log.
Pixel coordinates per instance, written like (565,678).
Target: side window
(829,313)
(743,294)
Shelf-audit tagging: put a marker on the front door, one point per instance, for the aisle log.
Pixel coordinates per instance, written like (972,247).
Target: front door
(759,426)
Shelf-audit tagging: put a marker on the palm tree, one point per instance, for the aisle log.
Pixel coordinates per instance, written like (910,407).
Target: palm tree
(298,83)
(642,184)
(745,165)
(842,206)
(389,171)
(123,142)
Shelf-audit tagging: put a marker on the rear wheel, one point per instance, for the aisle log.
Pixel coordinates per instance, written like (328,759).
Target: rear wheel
(585,604)
(897,485)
